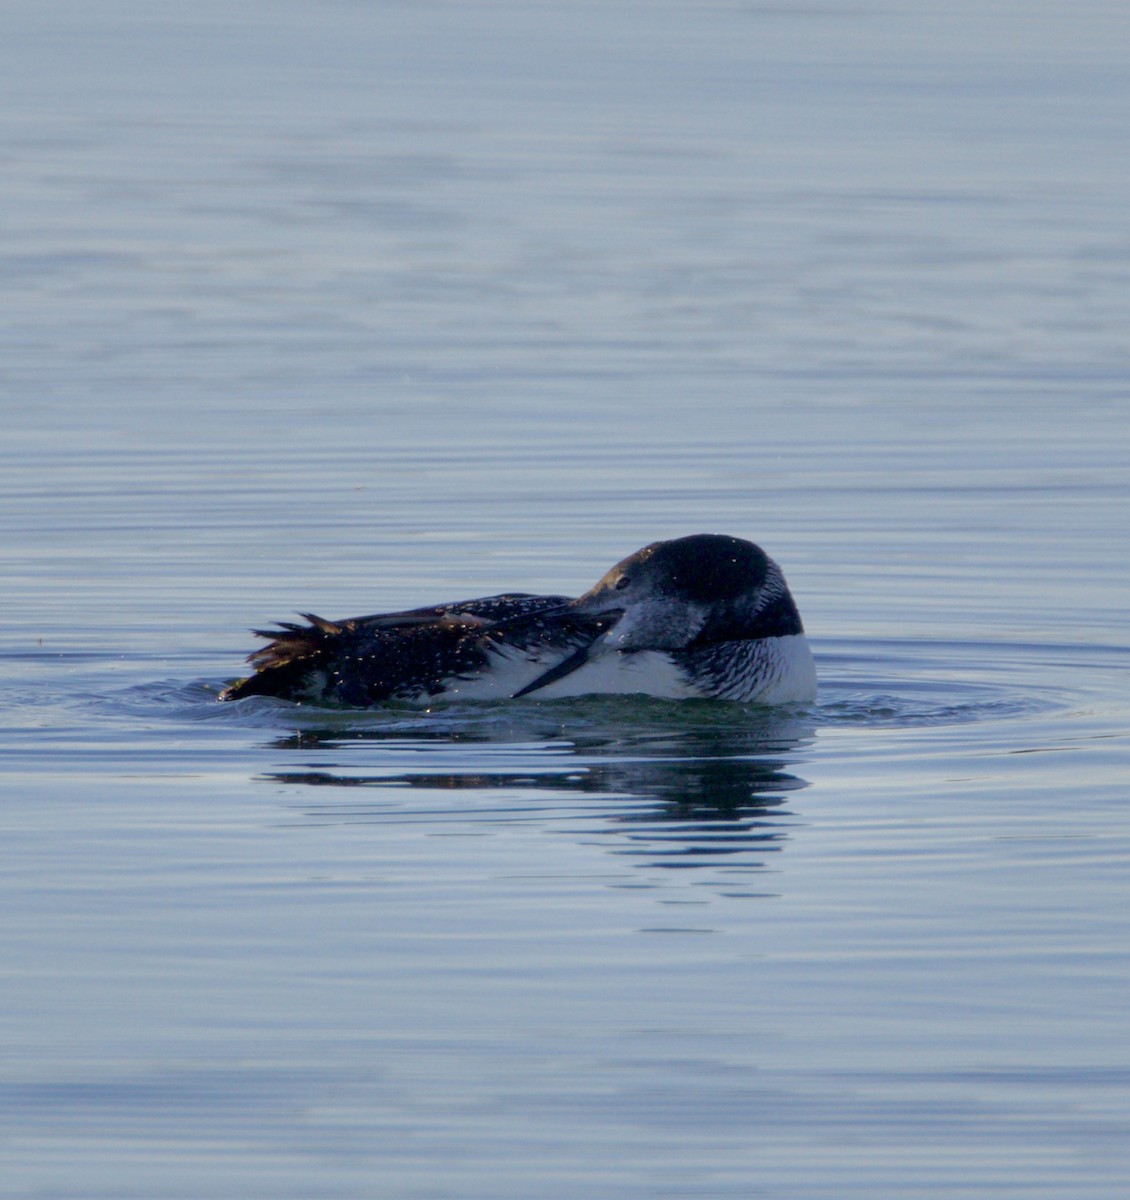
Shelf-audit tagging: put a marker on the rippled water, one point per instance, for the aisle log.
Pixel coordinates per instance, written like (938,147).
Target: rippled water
(358,307)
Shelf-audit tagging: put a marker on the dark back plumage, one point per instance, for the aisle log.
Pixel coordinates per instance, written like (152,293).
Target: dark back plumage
(406,655)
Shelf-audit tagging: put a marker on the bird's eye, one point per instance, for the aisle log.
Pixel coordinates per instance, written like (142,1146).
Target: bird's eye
(622,583)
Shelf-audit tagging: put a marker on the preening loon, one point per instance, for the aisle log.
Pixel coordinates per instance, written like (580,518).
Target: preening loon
(700,616)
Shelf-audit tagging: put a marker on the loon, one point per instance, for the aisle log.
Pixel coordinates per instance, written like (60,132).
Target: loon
(704,616)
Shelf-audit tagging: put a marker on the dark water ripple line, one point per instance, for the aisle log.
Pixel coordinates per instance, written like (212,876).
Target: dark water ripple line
(890,710)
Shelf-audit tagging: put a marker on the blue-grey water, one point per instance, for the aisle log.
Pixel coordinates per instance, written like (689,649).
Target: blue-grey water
(357,306)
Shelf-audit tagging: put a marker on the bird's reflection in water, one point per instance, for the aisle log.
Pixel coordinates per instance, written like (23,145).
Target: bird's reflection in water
(673,785)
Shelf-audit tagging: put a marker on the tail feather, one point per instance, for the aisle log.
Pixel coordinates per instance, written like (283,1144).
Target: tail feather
(284,665)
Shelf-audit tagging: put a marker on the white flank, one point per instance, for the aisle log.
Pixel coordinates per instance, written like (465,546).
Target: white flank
(785,674)
(648,673)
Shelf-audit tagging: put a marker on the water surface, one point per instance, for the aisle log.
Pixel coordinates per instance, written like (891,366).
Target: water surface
(367,306)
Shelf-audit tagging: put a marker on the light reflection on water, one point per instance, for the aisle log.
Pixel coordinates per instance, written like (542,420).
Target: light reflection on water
(693,785)
(699,785)
(694,799)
